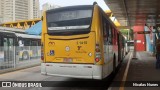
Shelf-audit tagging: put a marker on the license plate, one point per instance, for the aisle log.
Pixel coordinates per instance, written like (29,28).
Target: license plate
(67,59)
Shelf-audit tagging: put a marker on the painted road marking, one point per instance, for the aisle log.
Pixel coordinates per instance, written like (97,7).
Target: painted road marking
(125,73)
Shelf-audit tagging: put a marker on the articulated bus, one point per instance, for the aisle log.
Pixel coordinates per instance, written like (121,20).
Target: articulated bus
(80,42)
(16,48)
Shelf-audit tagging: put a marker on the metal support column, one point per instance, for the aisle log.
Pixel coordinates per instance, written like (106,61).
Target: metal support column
(135,46)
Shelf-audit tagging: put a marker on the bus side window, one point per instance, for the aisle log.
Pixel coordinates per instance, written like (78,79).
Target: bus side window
(34,43)
(105,33)
(110,35)
(27,42)
(114,36)
(39,42)
(1,44)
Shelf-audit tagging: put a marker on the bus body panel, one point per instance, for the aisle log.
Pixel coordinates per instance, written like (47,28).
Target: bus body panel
(70,49)
(87,71)
(107,68)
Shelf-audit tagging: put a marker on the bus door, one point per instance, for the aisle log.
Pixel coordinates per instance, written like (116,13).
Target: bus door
(9,52)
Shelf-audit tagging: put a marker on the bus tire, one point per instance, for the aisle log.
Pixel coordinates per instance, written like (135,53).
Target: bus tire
(114,63)
(25,56)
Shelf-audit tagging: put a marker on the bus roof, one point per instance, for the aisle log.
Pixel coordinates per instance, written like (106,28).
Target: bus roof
(10,33)
(12,29)
(70,7)
(27,36)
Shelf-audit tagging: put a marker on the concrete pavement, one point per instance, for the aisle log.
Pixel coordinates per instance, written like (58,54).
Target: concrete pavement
(140,70)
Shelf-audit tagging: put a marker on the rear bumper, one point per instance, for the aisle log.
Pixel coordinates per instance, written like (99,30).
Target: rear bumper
(85,71)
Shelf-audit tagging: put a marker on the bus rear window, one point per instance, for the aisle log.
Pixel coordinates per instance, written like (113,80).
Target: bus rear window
(69,20)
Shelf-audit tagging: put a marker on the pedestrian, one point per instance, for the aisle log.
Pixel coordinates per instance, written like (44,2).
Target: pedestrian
(158,54)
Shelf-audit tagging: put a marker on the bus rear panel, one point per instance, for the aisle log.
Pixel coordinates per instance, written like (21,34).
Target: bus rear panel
(69,44)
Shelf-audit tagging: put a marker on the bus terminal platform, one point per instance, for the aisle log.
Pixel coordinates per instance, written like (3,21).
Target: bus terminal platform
(138,74)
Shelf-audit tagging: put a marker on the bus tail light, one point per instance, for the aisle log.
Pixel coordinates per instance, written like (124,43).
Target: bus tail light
(42,52)
(98,53)
(42,58)
(97,50)
(97,59)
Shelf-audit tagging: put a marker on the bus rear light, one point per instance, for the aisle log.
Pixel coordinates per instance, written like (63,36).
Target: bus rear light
(97,45)
(42,52)
(42,58)
(42,55)
(97,53)
(97,59)
(97,50)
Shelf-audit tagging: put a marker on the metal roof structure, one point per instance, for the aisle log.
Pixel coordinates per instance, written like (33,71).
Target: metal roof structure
(135,12)
(22,24)
(35,30)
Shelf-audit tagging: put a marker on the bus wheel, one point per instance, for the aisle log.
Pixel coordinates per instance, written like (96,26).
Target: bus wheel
(114,63)
(25,56)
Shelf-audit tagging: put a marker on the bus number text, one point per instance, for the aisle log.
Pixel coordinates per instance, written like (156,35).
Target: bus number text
(81,42)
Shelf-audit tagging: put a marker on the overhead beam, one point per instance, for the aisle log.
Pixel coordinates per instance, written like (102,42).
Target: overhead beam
(23,24)
(125,7)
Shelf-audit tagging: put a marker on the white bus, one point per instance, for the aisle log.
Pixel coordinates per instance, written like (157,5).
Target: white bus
(17,47)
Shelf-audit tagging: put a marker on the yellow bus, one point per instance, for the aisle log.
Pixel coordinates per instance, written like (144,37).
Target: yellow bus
(79,42)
